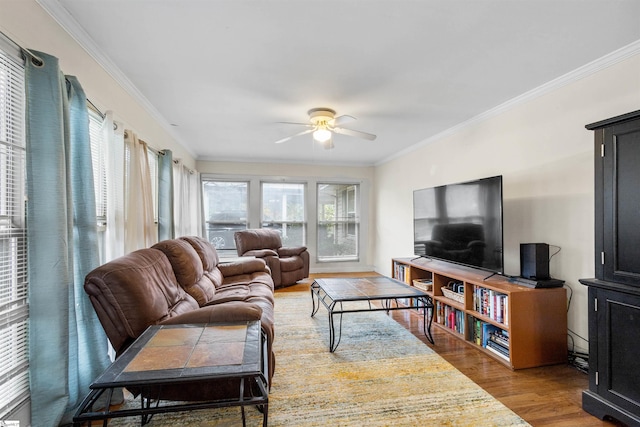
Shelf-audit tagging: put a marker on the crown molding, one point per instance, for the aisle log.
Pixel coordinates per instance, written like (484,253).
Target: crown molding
(71,26)
(593,67)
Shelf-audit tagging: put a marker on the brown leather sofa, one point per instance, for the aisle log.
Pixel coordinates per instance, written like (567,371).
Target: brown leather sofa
(287,264)
(181,281)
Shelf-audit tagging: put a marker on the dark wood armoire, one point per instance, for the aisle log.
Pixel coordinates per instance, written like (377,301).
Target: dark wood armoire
(614,294)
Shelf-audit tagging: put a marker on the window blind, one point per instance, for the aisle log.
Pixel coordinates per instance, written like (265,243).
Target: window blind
(14,310)
(99,162)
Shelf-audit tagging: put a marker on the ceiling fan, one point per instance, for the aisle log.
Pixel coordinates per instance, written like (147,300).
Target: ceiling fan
(323,123)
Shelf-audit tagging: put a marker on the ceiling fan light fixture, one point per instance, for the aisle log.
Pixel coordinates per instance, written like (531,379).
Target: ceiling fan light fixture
(323,123)
(322,135)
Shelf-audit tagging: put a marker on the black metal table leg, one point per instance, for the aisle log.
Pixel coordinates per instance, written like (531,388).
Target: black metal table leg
(428,305)
(333,342)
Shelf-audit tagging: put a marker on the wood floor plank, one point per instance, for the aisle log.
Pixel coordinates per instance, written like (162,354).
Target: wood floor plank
(544,396)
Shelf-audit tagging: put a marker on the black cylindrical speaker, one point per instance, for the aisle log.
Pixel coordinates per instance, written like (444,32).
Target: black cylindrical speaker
(534,261)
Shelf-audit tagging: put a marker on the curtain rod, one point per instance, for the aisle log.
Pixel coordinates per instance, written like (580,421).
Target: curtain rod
(97,111)
(39,62)
(179,162)
(94,108)
(19,50)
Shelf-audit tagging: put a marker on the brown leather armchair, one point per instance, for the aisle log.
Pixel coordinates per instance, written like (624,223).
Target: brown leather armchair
(287,264)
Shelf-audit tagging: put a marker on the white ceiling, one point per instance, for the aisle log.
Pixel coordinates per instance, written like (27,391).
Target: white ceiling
(221,74)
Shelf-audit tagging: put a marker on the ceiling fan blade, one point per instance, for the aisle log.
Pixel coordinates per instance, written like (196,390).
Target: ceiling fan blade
(297,123)
(340,120)
(293,136)
(356,133)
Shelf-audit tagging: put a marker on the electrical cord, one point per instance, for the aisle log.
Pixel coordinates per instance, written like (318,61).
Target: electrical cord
(578,360)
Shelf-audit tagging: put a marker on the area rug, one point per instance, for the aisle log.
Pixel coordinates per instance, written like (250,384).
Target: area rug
(380,375)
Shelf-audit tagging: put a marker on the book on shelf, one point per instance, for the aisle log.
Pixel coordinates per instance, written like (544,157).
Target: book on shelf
(450,317)
(492,304)
(500,337)
(488,335)
(401,272)
(498,351)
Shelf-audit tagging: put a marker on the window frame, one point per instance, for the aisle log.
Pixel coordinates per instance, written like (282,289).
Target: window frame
(206,222)
(345,223)
(311,212)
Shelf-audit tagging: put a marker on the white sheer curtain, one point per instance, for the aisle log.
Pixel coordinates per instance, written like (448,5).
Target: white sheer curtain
(113,134)
(186,200)
(139,229)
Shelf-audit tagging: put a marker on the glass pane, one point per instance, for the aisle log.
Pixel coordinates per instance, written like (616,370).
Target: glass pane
(338,222)
(225,211)
(283,210)
(282,202)
(291,234)
(98,157)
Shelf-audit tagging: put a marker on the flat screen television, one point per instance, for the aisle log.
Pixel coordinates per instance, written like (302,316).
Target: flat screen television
(461,223)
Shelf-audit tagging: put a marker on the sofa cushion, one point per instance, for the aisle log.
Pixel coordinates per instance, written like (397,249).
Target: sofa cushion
(188,269)
(242,266)
(133,292)
(259,284)
(206,252)
(208,257)
(228,312)
(230,293)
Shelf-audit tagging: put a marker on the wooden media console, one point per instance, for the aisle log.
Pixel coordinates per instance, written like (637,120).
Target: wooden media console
(519,326)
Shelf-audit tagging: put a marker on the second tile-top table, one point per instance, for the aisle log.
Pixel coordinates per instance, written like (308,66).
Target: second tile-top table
(336,294)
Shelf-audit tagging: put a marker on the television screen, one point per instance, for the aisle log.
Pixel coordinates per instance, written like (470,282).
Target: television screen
(461,223)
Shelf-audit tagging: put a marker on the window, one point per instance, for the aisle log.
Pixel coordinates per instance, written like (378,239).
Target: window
(283,210)
(14,312)
(324,214)
(338,222)
(225,205)
(98,157)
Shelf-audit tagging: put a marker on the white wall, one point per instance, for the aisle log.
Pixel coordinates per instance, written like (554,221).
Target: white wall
(545,155)
(27,24)
(312,173)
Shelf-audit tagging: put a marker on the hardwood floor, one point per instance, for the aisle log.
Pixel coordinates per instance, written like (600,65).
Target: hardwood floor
(545,396)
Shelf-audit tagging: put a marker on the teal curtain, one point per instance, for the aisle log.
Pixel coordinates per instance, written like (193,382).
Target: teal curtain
(166,228)
(68,348)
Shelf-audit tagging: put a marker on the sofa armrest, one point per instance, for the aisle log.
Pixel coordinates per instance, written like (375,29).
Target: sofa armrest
(291,251)
(225,312)
(476,244)
(247,266)
(260,253)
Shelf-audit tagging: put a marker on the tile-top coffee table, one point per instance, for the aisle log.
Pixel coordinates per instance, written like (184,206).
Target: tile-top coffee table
(181,354)
(338,294)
